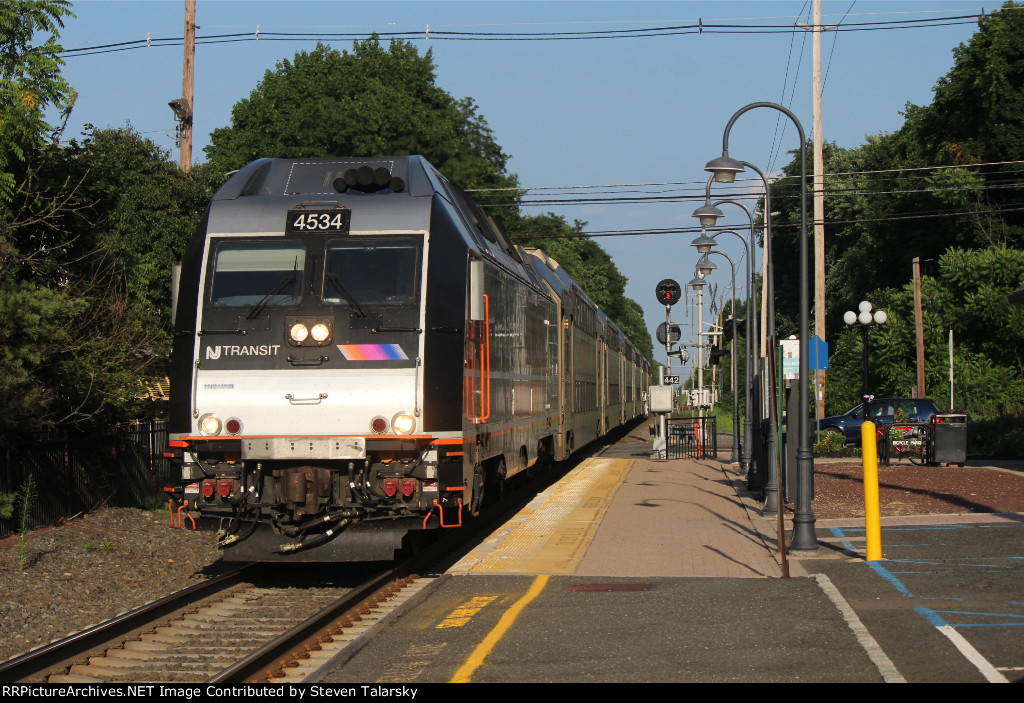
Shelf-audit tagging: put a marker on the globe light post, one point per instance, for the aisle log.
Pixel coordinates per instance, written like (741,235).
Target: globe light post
(866,319)
(725,168)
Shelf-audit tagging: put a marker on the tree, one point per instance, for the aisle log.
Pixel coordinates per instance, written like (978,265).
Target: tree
(30,82)
(370,102)
(94,228)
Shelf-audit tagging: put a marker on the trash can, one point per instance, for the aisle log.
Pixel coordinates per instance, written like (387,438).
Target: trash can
(949,438)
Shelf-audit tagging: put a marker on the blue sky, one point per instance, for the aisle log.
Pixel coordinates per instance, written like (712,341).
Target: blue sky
(570,112)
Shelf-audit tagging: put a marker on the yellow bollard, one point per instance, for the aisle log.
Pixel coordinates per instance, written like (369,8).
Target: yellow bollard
(872,518)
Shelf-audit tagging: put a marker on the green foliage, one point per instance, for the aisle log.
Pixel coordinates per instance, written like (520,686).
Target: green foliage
(829,443)
(86,255)
(880,214)
(997,438)
(370,102)
(26,500)
(30,82)
(7,505)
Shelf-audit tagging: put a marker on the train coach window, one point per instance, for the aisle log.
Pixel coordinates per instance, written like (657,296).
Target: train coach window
(382,272)
(258,273)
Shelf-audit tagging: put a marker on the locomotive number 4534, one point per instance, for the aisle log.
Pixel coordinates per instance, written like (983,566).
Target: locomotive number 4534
(332,221)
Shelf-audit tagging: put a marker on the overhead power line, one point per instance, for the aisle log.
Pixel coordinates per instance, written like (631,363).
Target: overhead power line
(435,34)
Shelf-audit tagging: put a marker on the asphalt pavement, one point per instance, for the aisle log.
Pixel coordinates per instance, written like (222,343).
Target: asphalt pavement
(629,569)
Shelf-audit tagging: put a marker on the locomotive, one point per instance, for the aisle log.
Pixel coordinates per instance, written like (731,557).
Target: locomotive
(360,355)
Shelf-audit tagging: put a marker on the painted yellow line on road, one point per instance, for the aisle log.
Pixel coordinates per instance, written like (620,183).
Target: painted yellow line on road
(476,659)
(461,615)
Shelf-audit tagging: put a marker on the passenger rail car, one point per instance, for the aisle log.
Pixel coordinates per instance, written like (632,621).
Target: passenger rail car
(361,354)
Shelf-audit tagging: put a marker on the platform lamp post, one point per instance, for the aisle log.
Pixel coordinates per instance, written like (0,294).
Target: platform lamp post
(697,284)
(764,476)
(865,318)
(724,168)
(750,464)
(705,267)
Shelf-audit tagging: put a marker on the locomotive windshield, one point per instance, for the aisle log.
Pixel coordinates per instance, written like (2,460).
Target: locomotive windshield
(378,272)
(258,273)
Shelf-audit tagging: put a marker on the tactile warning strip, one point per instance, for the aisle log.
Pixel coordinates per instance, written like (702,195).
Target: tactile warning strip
(552,533)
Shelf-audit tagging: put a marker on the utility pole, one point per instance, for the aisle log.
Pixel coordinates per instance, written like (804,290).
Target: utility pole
(919,328)
(187,80)
(816,29)
(819,204)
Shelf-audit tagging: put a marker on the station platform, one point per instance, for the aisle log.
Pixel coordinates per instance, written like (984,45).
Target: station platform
(627,569)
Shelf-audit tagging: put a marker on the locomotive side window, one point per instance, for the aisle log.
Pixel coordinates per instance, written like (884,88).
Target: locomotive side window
(258,273)
(377,272)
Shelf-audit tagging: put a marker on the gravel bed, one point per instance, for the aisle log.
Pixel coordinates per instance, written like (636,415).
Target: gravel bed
(92,568)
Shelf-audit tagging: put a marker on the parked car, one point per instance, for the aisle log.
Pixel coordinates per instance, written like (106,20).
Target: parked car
(883,412)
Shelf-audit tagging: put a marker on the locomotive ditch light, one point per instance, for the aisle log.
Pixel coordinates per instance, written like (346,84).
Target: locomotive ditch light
(298,333)
(209,425)
(403,423)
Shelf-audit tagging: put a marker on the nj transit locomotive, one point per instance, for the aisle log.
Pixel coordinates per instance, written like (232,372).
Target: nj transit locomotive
(360,354)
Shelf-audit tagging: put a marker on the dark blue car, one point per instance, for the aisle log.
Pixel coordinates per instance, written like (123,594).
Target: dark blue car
(883,412)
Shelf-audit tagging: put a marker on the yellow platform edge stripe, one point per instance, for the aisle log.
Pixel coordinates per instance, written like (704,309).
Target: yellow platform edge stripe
(552,533)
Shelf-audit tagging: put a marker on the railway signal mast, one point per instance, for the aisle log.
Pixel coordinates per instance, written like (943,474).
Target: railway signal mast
(662,396)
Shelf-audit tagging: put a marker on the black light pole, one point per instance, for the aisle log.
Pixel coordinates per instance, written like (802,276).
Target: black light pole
(804,540)
(704,266)
(708,214)
(865,318)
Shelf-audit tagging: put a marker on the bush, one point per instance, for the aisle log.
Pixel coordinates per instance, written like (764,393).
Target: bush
(829,443)
(996,438)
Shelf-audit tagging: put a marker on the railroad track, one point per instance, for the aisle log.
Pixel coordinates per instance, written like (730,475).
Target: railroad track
(232,629)
(238,627)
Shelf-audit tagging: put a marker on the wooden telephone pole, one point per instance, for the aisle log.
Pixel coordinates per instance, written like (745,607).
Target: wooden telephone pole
(819,204)
(187,80)
(919,328)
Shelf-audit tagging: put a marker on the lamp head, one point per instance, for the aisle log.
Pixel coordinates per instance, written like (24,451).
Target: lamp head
(725,168)
(703,243)
(181,108)
(708,215)
(705,266)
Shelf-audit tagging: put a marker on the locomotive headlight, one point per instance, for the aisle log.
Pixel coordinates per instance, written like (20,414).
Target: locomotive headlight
(403,423)
(320,332)
(209,425)
(298,333)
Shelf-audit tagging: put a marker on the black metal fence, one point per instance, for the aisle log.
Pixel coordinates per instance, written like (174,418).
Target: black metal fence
(692,438)
(75,474)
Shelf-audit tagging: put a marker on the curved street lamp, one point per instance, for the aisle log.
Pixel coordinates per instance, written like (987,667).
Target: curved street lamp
(705,262)
(725,169)
(750,460)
